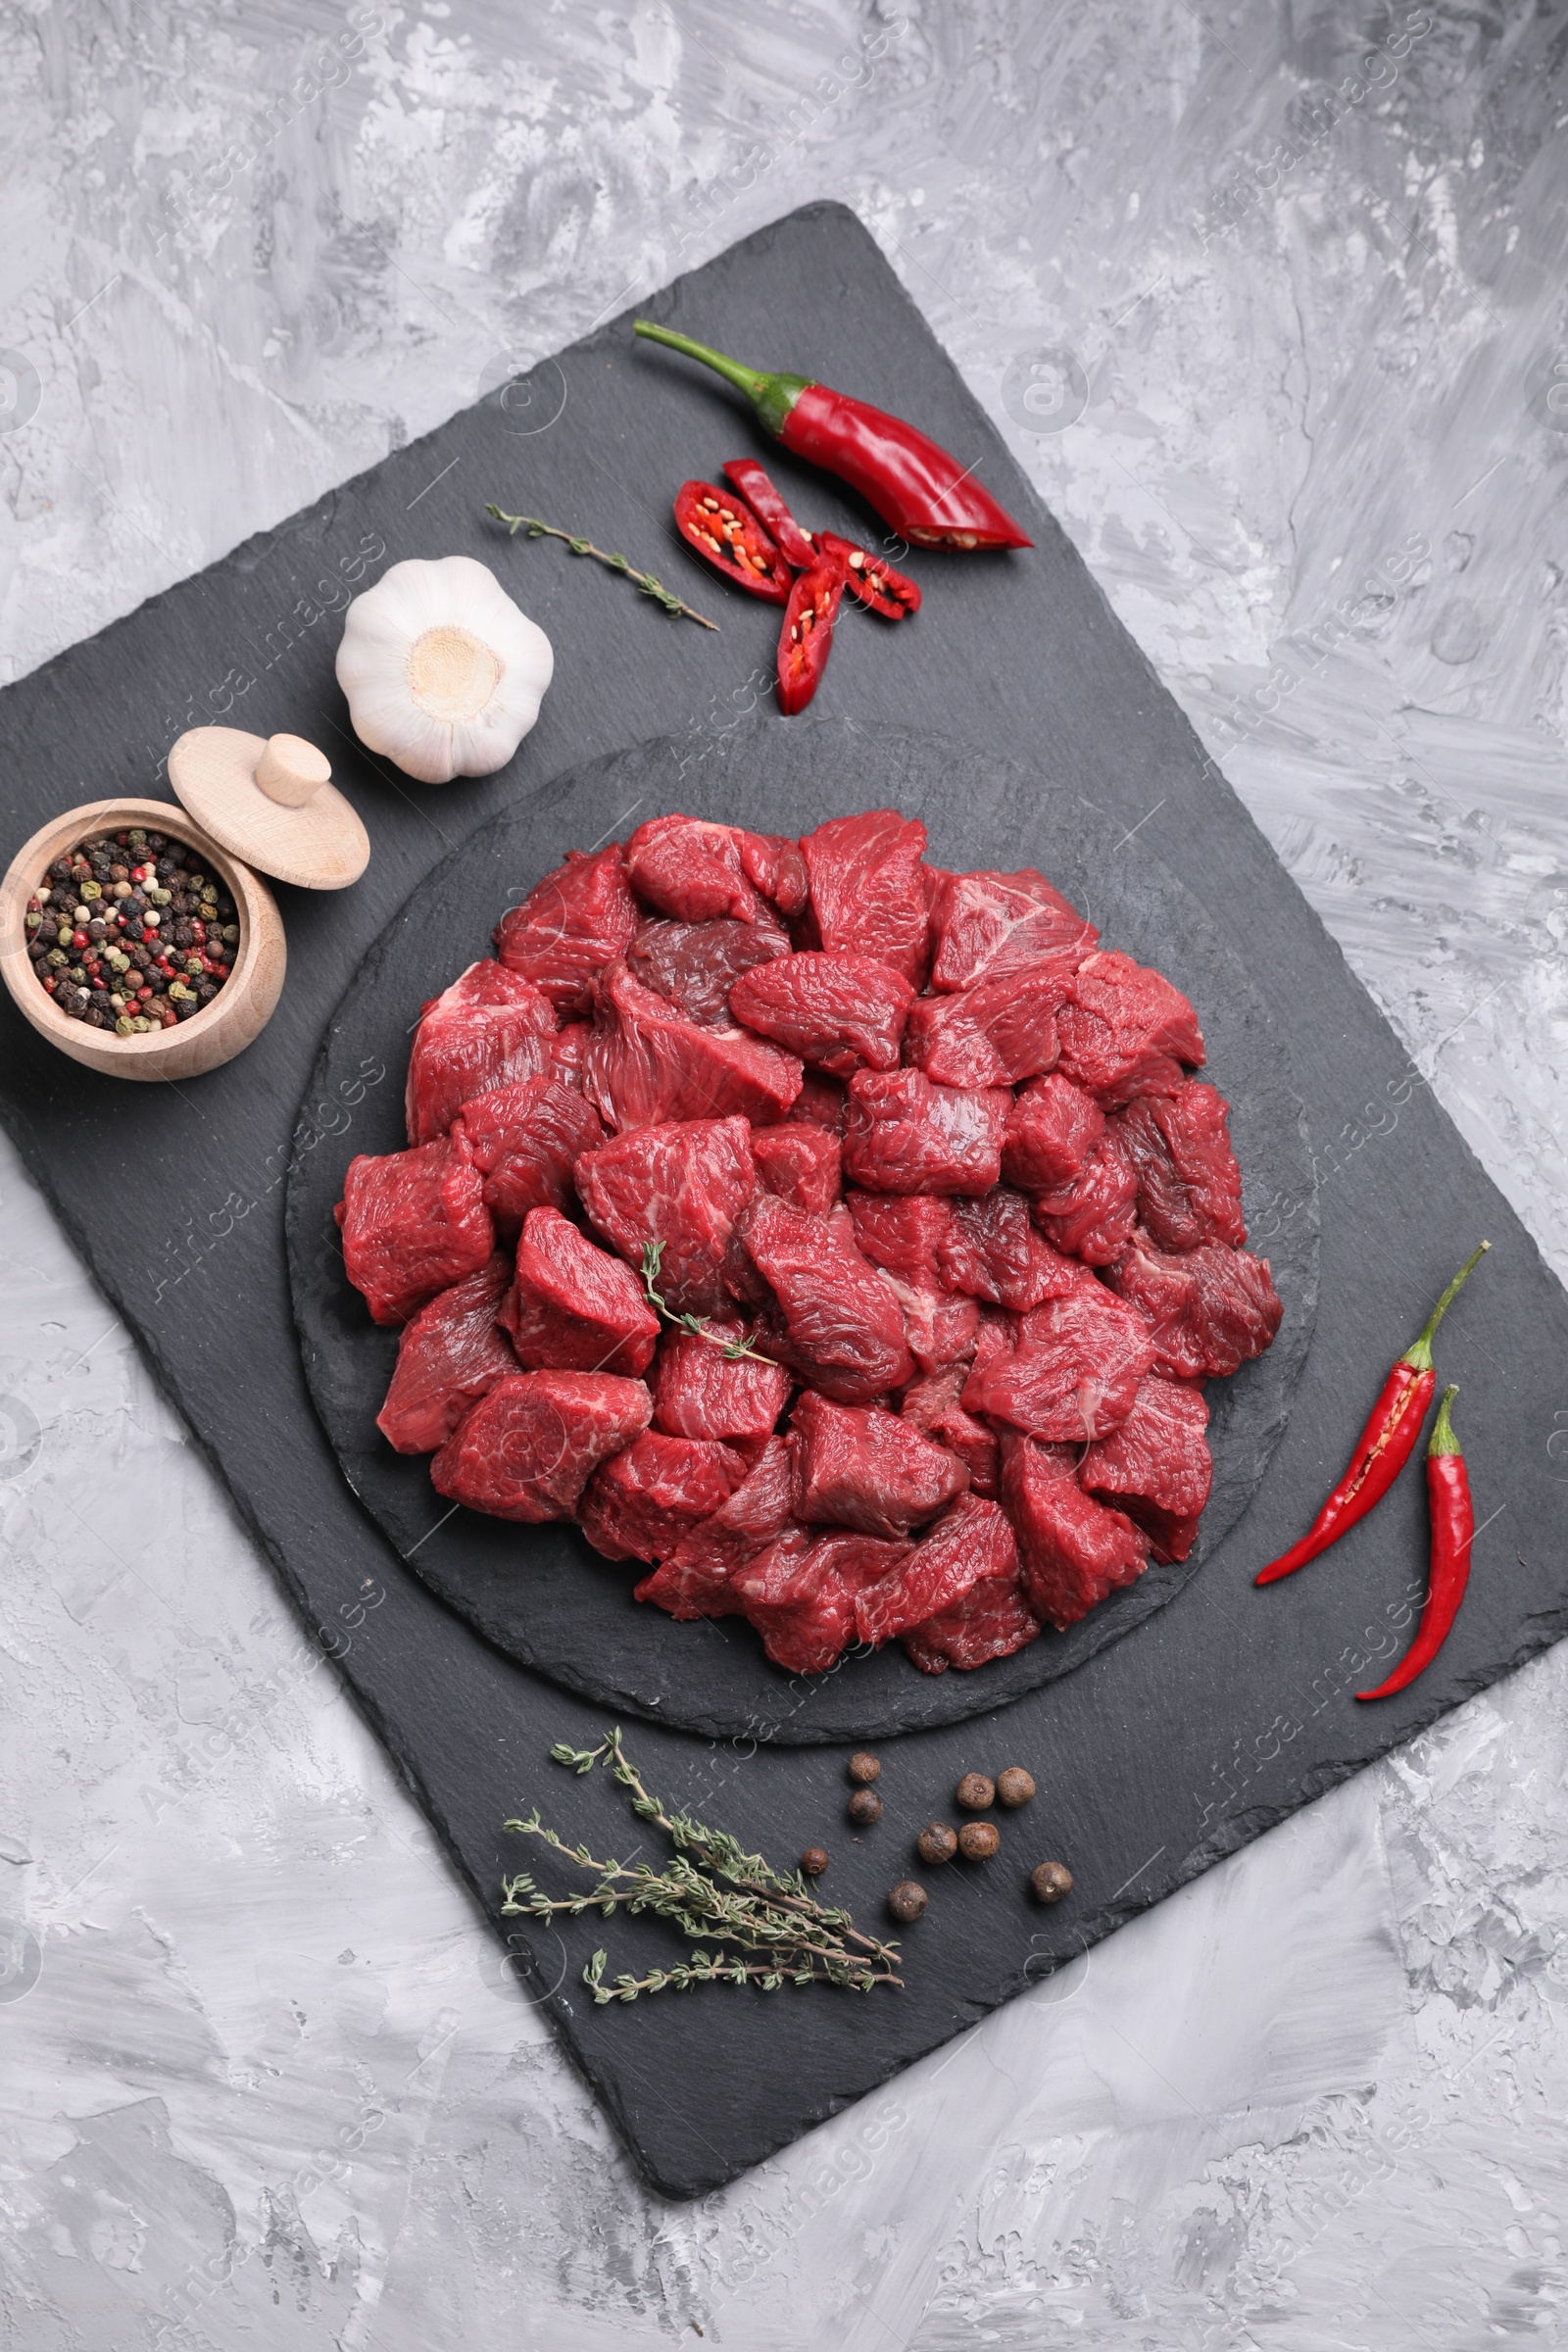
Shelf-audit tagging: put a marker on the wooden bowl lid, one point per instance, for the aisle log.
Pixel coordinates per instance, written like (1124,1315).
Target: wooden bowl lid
(268,800)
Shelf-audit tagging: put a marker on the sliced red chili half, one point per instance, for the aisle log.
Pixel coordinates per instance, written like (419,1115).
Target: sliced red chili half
(728,534)
(797,547)
(874,581)
(807,638)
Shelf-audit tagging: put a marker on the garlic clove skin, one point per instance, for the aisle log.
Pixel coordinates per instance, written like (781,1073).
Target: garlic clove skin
(443,673)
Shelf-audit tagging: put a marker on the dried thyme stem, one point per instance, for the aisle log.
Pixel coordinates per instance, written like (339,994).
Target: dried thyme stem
(697,1325)
(646,582)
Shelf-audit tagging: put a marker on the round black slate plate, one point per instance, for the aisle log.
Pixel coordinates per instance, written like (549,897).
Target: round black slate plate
(540,1593)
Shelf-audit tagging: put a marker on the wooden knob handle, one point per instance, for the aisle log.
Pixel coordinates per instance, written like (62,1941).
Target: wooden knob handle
(290,769)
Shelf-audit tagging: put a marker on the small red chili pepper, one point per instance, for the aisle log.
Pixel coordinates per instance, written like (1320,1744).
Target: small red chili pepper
(1385,1444)
(1453,1527)
(797,547)
(871,578)
(875,582)
(913,485)
(728,534)
(807,637)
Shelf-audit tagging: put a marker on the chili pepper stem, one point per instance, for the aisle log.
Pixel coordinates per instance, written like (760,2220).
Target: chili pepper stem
(1419,1353)
(1443,1438)
(771,396)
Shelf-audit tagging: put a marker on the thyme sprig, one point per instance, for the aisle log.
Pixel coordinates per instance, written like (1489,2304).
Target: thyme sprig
(697,1325)
(712,1889)
(645,582)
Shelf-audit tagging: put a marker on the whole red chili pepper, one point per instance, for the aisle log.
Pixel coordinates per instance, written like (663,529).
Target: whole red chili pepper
(1453,1526)
(910,481)
(728,535)
(1385,1444)
(871,577)
(807,637)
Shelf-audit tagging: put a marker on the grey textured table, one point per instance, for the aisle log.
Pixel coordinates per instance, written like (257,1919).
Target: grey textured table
(1292,383)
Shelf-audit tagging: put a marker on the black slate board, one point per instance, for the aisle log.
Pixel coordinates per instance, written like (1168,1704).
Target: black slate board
(543,1593)
(1171,1748)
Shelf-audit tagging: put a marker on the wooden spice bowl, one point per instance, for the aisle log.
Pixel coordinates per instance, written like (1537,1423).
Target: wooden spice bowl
(242,1007)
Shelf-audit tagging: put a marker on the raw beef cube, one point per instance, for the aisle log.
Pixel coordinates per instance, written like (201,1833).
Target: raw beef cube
(1093,1217)
(970,1544)
(1051,1131)
(694,965)
(839,1322)
(992,1034)
(575,1308)
(841,1013)
(903,1232)
(490,1028)
(525,1142)
(699,1391)
(1125,1031)
(773,864)
(527,1450)
(570,1051)
(1189,1184)
(690,870)
(985,926)
(991,1621)
(1074,1372)
(859,1467)
(414,1223)
(799,1594)
(570,925)
(798,1163)
(931,1406)
(905,1135)
(867,898)
(638,1505)
(1208,1309)
(695,1580)
(647,1064)
(821,1103)
(1073,1550)
(939,1325)
(448,1357)
(993,1251)
(1156,1466)
(682,1184)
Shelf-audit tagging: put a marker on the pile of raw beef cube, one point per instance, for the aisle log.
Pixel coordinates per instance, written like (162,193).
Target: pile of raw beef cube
(913,1141)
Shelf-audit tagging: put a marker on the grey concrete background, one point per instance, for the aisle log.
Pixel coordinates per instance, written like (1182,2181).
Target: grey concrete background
(1269,299)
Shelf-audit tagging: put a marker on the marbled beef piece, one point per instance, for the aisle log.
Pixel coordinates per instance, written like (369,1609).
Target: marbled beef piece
(970,1544)
(452,1353)
(1052,1129)
(903,1233)
(683,1183)
(490,1028)
(823,1101)
(690,868)
(859,1467)
(525,1142)
(694,965)
(799,1164)
(992,1621)
(1189,1184)
(986,926)
(840,1014)
(638,1504)
(932,1406)
(573,1308)
(1074,1372)
(412,1223)
(1093,1216)
(799,1593)
(570,1051)
(695,1579)
(699,1391)
(648,1064)
(528,1448)
(991,1250)
(994,1034)
(868,897)
(772,865)
(1126,1031)
(570,926)
(838,1322)
(940,1325)
(1156,1467)
(905,1135)
(1074,1550)
(1208,1309)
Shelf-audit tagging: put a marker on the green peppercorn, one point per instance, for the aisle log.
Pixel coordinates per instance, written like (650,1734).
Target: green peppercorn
(231,935)
(56,959)
(91,891)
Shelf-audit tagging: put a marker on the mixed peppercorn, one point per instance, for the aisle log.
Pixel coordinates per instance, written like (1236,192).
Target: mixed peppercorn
(129,933)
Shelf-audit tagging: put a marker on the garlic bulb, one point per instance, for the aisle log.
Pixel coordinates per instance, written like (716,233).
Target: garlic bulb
(444,676)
